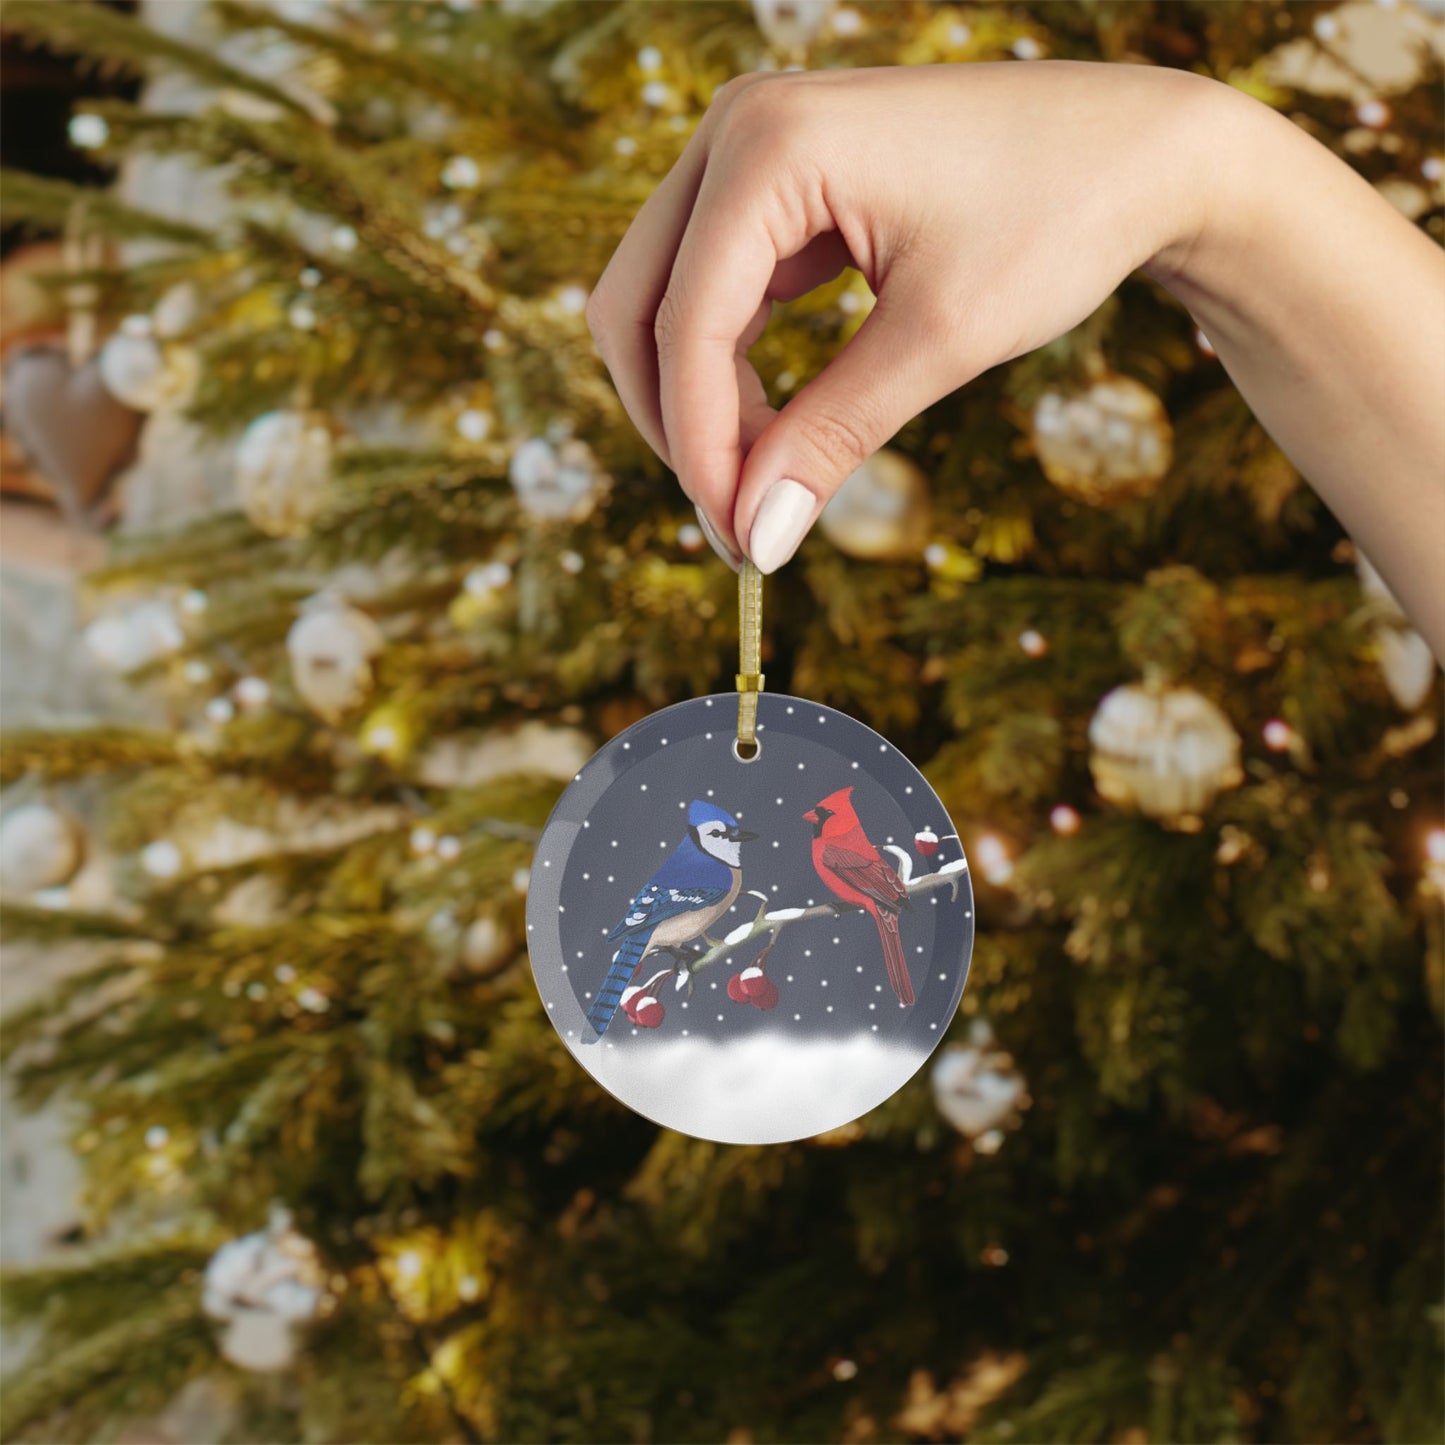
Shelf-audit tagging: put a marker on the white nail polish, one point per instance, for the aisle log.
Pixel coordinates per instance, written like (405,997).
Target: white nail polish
(787,511)
(716,542)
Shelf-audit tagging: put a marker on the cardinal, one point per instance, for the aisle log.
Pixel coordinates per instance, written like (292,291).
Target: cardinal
(856,874)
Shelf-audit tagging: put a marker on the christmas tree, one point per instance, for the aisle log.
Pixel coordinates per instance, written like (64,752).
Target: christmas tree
(1176,1173)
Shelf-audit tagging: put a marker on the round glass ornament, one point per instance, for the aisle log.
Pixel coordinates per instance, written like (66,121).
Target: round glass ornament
(750,950)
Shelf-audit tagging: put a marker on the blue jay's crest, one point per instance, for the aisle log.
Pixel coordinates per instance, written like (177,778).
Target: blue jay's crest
(699,813)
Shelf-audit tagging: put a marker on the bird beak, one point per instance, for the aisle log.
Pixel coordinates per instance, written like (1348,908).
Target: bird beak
(811,816)
(740,835)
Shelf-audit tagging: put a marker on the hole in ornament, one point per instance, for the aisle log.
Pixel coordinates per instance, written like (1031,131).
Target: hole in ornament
(747,752)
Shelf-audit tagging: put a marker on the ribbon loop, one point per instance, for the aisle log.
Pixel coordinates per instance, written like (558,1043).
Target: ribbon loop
(750,647)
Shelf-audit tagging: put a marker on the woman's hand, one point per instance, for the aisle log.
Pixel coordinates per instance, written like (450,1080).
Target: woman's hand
(989,207)
(992,207)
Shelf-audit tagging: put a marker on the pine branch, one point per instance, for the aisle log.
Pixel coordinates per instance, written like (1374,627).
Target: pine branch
(425,1351)
(52,204)
(66,925)
(523,110)
(82,752)
(119,42)
(132,1365)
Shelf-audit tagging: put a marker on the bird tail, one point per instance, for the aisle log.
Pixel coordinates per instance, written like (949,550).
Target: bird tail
(624,965)
(893,955)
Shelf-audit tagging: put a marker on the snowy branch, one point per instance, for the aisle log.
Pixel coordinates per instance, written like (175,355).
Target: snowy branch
(771,921)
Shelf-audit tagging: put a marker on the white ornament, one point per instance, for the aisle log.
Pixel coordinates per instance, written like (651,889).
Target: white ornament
(469,760)
(331,647)
(1108,443)
(161,859)
(881,512)
(555,482)
(486,946)
(175,313)
(489,577)
(40,847)
(141,373)
(1405,658)
(1165,751)
(136,636)
(261,1287)
(792,25)
(977,1088)
(283,470)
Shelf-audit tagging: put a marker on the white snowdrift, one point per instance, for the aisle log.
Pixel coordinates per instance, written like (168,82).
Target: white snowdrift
(761,1090)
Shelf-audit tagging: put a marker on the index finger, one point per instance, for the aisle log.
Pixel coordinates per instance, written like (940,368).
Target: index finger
(718,287)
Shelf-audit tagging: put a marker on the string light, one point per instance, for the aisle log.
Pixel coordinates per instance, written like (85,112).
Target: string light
(1278,735)
(1064,820)
(1033,642)
(253,692)
(423,840)
(474,425)
(88,132)
(993,859)
(461,173)
(1373,113)
(572,300)
(313,1000)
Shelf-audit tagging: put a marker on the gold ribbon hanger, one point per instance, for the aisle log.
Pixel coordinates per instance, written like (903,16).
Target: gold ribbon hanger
(750,648)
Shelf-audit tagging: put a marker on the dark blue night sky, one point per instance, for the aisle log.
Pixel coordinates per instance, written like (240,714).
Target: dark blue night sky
(617,822)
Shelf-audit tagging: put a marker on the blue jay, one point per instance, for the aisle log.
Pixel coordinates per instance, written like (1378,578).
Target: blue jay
(694,887)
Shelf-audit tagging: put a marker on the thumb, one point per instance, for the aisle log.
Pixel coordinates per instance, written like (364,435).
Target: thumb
(901,360)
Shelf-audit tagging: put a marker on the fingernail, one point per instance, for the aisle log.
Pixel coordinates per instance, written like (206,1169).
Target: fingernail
(781,524)
(716,542)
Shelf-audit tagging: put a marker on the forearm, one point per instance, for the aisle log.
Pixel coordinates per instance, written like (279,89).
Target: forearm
(1327,309)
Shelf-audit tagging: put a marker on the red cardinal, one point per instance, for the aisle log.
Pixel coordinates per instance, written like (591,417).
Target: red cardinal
(851,867)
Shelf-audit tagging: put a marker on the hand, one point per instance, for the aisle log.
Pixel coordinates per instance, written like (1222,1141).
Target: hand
(990,208)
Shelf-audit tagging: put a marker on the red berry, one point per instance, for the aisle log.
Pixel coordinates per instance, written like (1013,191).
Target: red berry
(736,991)
(926,841)
(753,981)
(649,1013)
(631,997)
(766,997)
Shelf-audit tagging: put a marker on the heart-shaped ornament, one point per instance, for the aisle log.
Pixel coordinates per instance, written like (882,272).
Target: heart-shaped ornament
(74,431)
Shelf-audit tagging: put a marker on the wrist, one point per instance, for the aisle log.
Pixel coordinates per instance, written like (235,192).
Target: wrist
(1220,144)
